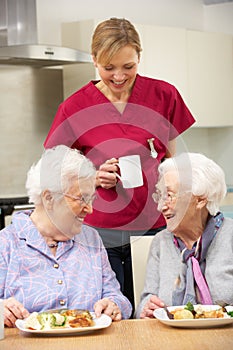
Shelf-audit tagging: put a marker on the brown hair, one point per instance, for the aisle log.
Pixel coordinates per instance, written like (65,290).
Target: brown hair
(110,36)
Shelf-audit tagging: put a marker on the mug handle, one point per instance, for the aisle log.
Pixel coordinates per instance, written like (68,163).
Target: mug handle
(119,177)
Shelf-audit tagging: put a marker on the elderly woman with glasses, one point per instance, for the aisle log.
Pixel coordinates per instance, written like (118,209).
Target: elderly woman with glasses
(191,260)
(48,258)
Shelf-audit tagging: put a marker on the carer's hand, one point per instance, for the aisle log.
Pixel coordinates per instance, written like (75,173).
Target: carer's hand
(153,303)
(109,308)
(105,176)
(12,311)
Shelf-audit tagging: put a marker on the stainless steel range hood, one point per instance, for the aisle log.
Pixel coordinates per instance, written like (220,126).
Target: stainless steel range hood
(19,40)
(41,55)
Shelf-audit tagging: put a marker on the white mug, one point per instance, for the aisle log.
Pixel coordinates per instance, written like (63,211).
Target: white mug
(1,320)
(131,171)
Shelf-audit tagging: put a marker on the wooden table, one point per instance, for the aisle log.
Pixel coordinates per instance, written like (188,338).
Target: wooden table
(126,335)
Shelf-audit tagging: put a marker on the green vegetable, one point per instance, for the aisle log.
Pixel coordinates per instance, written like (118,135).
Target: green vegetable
(60,320)
(189,306)
(51,320)
(46,320)
(230,313)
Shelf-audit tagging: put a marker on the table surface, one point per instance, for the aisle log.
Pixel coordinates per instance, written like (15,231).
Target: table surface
(126,335)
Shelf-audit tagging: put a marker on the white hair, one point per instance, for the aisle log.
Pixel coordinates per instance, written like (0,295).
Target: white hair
(201,175)
(55,171)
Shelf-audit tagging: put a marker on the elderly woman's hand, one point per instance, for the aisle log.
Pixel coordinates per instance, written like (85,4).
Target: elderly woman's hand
(153,303)
(109,308)
(106,176)
(12,311)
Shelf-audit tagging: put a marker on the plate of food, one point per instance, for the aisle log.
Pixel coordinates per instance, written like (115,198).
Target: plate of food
(196,316)
(63,322)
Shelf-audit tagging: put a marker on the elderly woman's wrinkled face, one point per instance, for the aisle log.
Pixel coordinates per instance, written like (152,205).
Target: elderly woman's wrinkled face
(177,205)
(69,212)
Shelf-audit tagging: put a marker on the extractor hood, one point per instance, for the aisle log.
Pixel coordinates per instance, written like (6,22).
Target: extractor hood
(41,55)
(18,39)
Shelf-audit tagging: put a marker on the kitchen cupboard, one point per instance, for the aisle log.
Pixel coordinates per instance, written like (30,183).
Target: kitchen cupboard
(164,55)
(199,64)
(210,77)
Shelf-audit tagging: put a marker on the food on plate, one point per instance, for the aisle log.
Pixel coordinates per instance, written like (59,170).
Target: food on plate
(191,311)
(202,313)
(61,319)
(78,318)
(44,320)
(181,314)
(32,322)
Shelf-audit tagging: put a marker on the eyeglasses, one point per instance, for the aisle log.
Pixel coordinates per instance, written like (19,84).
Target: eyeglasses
(166,197)
(87,200)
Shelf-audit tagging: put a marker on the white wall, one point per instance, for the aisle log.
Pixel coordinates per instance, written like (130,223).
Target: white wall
(218,18)
(190,14)
(179,13)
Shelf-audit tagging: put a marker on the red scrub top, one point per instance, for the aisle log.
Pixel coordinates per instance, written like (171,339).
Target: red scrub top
(88,121)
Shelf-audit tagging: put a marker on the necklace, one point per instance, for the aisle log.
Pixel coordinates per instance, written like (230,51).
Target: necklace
(53,245)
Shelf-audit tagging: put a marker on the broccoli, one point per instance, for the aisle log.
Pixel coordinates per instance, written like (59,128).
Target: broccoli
(45,320)
(51,320)
(60,320)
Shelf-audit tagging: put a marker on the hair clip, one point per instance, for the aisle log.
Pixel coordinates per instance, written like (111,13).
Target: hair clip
(153,152)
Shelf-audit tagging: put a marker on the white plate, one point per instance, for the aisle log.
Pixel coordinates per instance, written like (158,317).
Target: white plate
(101,322)
(161,315)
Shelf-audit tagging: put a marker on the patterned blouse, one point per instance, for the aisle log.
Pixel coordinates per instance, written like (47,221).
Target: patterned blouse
(77,277)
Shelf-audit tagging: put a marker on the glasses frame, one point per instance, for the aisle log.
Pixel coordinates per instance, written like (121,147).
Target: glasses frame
(83,201)
(167,197)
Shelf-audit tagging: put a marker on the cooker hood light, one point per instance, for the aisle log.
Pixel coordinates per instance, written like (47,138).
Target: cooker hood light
(18,39)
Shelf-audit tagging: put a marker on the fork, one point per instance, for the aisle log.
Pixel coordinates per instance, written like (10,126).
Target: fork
(169,314)
(223,304)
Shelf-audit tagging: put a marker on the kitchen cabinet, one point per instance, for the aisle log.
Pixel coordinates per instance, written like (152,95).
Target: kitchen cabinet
(164,55)
(210,78)
(199,64)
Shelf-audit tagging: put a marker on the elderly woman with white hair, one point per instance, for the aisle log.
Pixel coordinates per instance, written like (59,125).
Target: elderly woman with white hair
(48,258)
(191,260)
